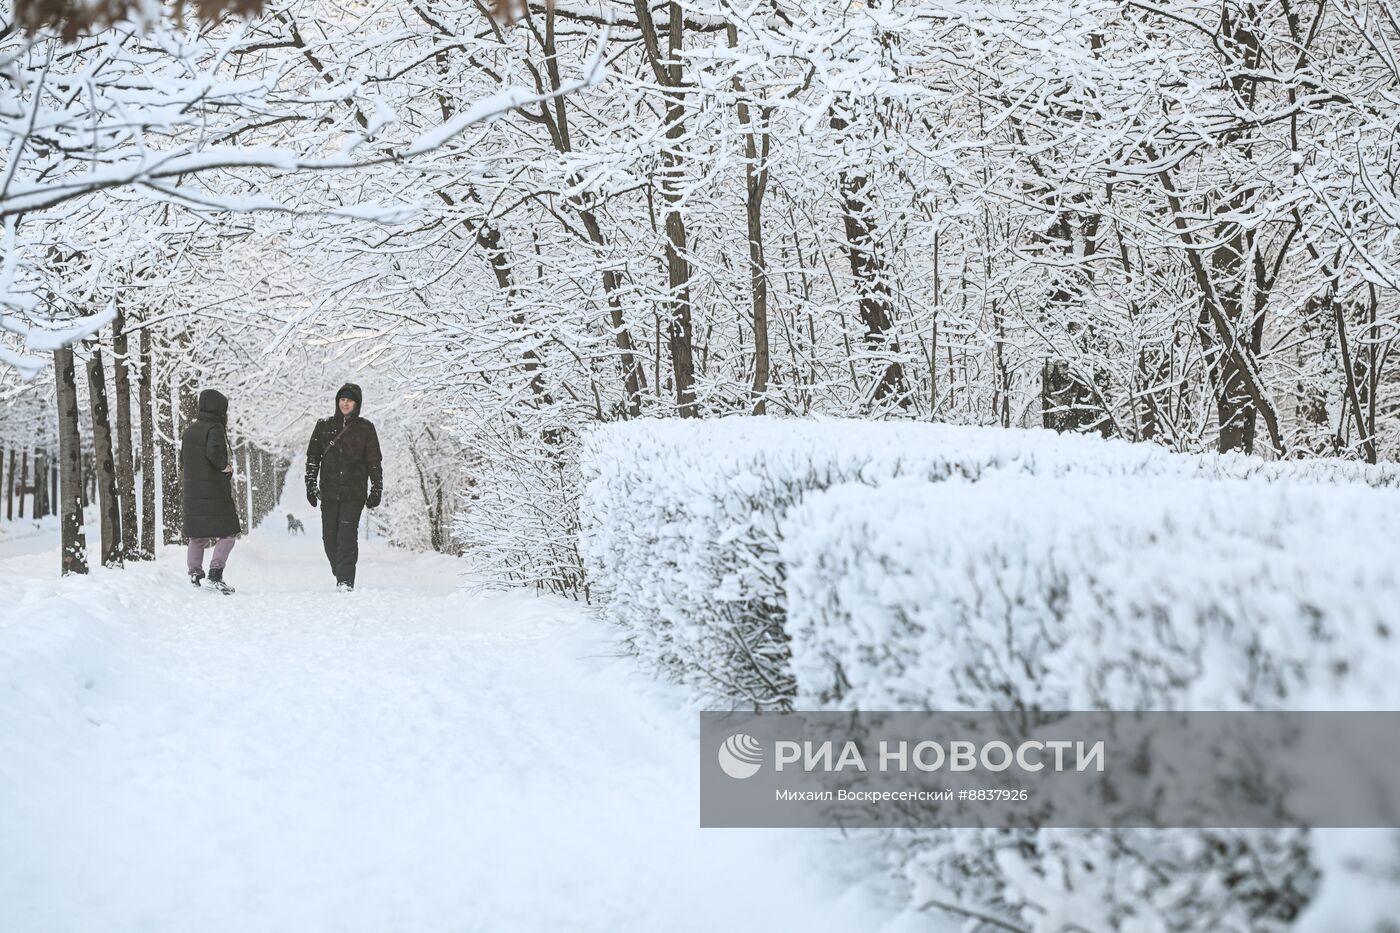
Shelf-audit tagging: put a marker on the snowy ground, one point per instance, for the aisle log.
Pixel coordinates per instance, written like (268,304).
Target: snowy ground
(407,757)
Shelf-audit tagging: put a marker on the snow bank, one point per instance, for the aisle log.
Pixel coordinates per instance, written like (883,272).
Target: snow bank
(1093,593)
(57,678)
(681,520)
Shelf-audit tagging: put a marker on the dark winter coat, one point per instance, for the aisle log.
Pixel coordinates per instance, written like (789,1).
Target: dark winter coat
(344,454)
(207,491)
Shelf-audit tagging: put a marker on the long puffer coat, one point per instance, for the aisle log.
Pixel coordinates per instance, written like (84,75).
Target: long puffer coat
(206,490)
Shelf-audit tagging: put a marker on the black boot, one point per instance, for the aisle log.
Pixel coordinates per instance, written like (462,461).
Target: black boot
(216,580)
(196,576)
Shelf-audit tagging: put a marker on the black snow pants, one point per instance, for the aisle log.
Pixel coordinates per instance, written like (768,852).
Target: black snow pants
(340,530)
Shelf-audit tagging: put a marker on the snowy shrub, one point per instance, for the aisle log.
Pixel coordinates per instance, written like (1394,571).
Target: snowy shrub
(518,519)
(681,520)
(1092,593)
(680,523)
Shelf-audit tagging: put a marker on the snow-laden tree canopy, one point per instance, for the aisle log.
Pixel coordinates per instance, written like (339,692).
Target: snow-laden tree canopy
(1162,221)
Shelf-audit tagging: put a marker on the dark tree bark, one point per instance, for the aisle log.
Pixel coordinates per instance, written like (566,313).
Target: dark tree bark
(240,483)
(108,505)
(73,548)
(267,484)
(170,507)
(488,237)
(10,488)
(126,479)
(434,540)
(149,473)
(679,336)
(23,480)
(1067,404)
(188,406)
(42,505)
(755,187)
(871,274)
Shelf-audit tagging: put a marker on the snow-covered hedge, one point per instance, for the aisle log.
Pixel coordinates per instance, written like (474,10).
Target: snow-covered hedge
(1093,593)
(681,520)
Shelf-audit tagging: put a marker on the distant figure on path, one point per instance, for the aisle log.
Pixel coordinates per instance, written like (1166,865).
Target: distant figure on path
(344,453)
(206,472)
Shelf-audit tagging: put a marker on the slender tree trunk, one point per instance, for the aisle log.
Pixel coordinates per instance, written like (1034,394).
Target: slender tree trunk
(257,478)
(557,121)
(433,540)
(488,237)
(239,456)
(23,480)
(170,510)
(188,407)
(149,472)
(126,479)
(73,548)
(755,187)
(10,488)
(260,485)
(41,484)
(633,376)
(109,506)
(871,275)
(679,336)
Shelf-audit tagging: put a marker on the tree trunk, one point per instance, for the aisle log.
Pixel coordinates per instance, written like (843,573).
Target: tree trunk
(267,484)
(755,187)
(679,337)
(149,473)
(871,275)
(23,480)
(108,505)
(73,549)
(262,484)
(557,121)
(10,488)
(126,479)
(170,511)
(633,376)
(41,484)
(239,458)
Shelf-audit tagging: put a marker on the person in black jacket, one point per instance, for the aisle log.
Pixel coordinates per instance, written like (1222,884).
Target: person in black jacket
(206,473)
(344,455)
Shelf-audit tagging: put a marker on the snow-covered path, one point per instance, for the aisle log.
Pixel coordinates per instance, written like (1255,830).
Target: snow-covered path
(407,757)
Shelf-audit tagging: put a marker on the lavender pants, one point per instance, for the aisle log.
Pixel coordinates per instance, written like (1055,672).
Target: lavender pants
(194,555)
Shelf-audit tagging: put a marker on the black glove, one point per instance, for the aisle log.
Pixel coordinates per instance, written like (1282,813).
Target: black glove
(311,495)
(373,500)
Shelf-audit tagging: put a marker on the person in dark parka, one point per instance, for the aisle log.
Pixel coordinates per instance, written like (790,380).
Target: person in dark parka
(206,472)
(344,456)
